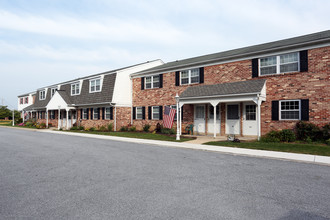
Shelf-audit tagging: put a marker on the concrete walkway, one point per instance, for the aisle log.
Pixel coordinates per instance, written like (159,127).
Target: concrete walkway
(231,150)
(204,139)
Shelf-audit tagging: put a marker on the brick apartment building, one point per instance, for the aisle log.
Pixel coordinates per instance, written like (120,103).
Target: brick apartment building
(246,91)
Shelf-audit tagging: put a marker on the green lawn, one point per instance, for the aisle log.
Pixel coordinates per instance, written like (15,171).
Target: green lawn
(315,148)
(141,135)
(5,123)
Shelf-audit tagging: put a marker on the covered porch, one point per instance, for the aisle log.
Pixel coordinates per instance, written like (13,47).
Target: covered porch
(223,109)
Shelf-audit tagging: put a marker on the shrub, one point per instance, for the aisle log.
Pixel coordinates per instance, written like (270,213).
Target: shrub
(92,129)
(50,125)
(73,128)
(305,130)
(18,120)
(146,127)
(272,136)
(110,127)
(328,142)
(29,124)
(42,125)
(61,129)
(81,128)
(326,132)
(287,135)
(133,128)
(103,129)
(124,128)
(167,131)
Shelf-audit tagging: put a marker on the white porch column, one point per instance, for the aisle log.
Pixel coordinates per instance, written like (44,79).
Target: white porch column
(214,121)
(180,116)
(115,125)
(67,119)
(59,118)
(23,116)
(47,118)
(259,118)
(178,122)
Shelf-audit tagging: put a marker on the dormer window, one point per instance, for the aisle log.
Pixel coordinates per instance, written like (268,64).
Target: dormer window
(53,90)
(95,85)
(42,95)
(75,88)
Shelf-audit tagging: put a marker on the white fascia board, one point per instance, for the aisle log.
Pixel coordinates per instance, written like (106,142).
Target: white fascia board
(56,101)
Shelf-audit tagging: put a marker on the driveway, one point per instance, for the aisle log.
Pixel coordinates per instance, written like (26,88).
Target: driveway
(54,176)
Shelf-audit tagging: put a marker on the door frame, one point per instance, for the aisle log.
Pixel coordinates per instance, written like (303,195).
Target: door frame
(204,118)
(244,121)
(239,118)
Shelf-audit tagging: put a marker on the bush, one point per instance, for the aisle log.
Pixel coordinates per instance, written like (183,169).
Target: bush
(81,128)
(73,128)
(110,127)
(92,129)
(50,125)
(328,142)
(146,127)
(305,130)
(124,128)
(103,129)
(272,136)
(167,131)
(326,132)
(18,120)
(29,124)
(287,135)
(42,125)
(133,128)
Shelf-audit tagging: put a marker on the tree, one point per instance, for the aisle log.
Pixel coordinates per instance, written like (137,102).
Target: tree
(5,112)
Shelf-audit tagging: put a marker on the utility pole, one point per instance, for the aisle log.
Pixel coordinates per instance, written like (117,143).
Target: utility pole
(13,117)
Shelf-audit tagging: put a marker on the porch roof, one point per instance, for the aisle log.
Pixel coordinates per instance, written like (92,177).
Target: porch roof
(224,89)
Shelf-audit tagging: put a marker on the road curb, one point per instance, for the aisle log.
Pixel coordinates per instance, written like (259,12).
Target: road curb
(323,160)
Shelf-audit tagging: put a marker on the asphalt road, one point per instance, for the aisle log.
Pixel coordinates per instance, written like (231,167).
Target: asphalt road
(53,176)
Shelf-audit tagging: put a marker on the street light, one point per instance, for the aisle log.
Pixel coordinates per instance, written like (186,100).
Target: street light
(177,98)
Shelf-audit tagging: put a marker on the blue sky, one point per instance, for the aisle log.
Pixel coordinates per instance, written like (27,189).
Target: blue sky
(47,42)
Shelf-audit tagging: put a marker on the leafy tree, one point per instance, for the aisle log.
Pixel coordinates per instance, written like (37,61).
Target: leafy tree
(4,112)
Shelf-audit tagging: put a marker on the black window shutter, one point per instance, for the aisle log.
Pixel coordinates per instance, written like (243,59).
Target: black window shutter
(143,112)
(255,68)
(111,113)
(134,110)
(149,112)
(103,113)
(181,109)
(160,112)
(201,75)
(81,113)
(142,83)
(160,80)
(177,78)
(98,113)
(92,115)
(305,109)
(275,110)
(87,110)
(303,60)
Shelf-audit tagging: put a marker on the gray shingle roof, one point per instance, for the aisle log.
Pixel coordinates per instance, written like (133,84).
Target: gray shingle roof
(257,50)
(234,88)
(65,96)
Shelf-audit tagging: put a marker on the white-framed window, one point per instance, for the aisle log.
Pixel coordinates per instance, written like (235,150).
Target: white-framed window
(290,110)
(95,113)
(152,82)
(189,76)
(94,85)
(155,112)
(250,112)
(42,95)
(107,113)
(138,113)
(279,64)
(75,88)
(21,101)
(84,113)
(52,91)
(26,100)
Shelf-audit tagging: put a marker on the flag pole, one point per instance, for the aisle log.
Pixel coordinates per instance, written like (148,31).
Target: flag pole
(13,117)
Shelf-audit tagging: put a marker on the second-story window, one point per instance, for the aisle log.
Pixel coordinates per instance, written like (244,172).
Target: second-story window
(53,90)
(152,82)
(95,85)
(279,64)
(42,95)
(189,76)
(21,101)
(75,88)
(26,100)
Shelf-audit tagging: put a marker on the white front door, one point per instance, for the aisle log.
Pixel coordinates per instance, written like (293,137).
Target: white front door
(250,126)
(210,121)
(199,119)
(233,119)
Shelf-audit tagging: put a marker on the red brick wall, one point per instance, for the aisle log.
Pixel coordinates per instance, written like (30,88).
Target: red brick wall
(312,85)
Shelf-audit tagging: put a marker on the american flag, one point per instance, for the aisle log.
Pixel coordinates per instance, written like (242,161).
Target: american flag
(169,114)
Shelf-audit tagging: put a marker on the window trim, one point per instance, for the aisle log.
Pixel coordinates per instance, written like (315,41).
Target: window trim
(280,110)
(95,111)
(278,64)
(152,82)
(189,76)
(42,97)
(84,114)
(105,113)
(152,113)
(77,87)
(136,113)
(90,85)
